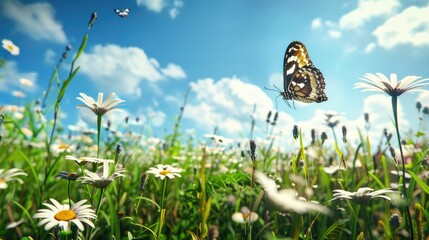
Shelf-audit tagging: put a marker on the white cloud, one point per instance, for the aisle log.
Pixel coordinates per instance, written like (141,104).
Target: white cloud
(276,79)
(334,34)
(11,78)
(36,20)
(152,5)
(227,104)
(122,69)
(50,56)
(316,23)
(158,5)
(367,10)
(156,117)
(423,98)
(370,47)
(349,49)
(175,10)
(411,26)
(173,71)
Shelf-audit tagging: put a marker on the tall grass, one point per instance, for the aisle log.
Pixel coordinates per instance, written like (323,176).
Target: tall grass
(215,183)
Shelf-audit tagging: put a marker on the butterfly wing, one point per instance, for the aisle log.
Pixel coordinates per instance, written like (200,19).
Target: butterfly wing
(302,81)
(308,85)
(296,57)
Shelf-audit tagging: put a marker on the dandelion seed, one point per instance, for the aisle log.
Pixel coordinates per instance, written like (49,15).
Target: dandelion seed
(9,176)
(100,107)
(162,171)
(10,47)
(62,215)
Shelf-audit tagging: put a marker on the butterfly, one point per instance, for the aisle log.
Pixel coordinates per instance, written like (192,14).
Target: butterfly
(122,13)
(302,81)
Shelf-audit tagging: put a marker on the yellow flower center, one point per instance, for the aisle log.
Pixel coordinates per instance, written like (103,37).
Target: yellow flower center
(10,48)
(246,215)
(1,180)
(164,172)
(62,146)
(65,215)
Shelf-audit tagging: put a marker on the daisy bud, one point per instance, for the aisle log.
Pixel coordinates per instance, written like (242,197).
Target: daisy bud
(126,119)
(268,117)
(366,117)
(93,18)
(324,137)
(418,106)
(65,55)
(118,151)
(252,150)
(276,115)
(313,136)
(143,181)
(295,132)
(395,221)
(344,129)
(137,119)
(425,110)
(68,47)
(392,152)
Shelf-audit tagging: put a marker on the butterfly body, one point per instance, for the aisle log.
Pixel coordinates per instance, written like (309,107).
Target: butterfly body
(122,13)
(302,81)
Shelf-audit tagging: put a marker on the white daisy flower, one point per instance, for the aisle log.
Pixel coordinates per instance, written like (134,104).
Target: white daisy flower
(62,215)
(362,195)
(102,180)
(162,171)
(286,200)
(380,83)
(244,216)
(10,175)
(83,160)
(100,107)
(10,47)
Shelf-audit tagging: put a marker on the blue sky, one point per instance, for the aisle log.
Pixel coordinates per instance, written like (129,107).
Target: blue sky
(226,51)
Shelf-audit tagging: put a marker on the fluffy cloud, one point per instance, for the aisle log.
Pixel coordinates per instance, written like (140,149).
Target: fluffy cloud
(122,69)
(316,23)
(50,56)
(227,104)
(370,47)
(158,5)
(173,71)
(367,10)
(10,79)
(411,26)
(36,20)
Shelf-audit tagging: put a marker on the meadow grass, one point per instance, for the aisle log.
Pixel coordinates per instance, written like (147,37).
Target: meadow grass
(142,187)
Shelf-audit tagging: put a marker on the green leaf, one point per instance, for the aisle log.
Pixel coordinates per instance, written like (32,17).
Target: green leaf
(333,232)
(420,182)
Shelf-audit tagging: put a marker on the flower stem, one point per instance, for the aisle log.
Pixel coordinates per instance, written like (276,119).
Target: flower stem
(99,118)
(404,186)
(164,187)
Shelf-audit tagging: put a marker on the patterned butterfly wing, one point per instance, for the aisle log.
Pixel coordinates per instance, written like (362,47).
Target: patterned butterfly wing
(302,80)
